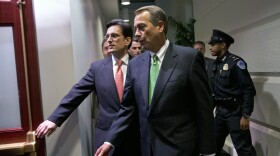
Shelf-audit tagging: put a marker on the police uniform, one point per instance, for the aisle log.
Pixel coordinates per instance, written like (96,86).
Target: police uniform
(233,95)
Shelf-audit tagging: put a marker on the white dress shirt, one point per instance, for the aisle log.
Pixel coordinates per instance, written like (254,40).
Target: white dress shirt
(125,60)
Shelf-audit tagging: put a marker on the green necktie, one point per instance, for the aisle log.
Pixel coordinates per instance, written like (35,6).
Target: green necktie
(154,70)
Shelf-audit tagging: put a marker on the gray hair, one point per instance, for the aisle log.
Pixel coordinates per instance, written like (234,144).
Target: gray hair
(156,15)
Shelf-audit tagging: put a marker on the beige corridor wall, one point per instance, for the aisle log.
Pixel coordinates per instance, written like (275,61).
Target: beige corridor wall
(255,25)
(69,35)
(57,73)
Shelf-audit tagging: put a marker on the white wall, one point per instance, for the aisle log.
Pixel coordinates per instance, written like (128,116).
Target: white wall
(55,50)
(87,36)
(69,35)
(255,26)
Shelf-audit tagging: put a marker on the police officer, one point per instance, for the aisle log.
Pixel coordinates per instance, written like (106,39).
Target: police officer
(233,95)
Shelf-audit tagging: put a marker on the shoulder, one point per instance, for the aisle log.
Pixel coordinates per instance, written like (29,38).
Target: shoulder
(139,58)
(237,61)
(184,53)
(187,55)
(98,63)
(183,50)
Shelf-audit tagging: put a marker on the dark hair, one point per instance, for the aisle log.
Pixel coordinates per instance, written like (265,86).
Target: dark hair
(156,15)
(126,28)
(199,42)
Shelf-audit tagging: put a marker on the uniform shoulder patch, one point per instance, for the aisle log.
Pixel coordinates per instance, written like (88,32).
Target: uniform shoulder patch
(241,64)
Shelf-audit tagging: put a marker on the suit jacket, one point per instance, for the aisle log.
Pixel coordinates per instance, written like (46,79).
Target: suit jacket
(209,65)
(100,79)
(179,121)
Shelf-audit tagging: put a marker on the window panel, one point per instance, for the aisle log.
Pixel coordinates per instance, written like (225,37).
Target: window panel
(9,94)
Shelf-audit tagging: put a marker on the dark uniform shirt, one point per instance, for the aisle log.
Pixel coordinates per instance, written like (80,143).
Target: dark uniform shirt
(230,81)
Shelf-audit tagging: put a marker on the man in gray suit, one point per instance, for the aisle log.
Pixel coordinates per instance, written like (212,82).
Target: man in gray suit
(102,79)
(175,112)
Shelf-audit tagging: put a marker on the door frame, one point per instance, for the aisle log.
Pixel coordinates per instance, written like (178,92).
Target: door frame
(30,81)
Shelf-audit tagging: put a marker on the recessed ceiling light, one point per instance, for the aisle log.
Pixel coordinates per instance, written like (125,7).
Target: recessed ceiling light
(125,2)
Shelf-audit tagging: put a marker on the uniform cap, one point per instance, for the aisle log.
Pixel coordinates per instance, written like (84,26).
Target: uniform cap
(219,36)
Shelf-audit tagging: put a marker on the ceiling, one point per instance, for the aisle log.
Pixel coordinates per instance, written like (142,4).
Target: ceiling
(113,8)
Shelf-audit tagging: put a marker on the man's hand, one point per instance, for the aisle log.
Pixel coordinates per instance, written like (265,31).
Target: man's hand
(103,150)
(46,127)
(244,123)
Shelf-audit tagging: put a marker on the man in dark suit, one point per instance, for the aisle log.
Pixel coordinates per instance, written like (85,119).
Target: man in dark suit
(209,66)
(209,63)
(135,48)
(200,47)
(104,78)
(176,116)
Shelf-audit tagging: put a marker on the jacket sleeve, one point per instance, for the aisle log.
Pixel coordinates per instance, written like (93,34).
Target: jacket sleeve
(125,115)
(74,98)
(247,87)
(203,106)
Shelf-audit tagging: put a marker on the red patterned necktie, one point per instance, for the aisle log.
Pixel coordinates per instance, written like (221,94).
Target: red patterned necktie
(119,79)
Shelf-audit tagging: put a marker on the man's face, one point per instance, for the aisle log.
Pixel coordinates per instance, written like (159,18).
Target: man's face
(116,41)
(217,49)
(135,48)
(145,31)
(200,48)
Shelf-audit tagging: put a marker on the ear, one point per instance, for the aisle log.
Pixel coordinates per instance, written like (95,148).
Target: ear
(224,45)
(160,26)
(127,40)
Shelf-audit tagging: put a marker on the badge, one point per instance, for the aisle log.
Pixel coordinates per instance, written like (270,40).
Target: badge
(225,67)
(241,64)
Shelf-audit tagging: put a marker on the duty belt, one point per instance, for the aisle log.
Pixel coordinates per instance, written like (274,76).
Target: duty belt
(226,102)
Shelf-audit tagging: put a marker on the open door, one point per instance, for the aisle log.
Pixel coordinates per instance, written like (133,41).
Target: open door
(20,94)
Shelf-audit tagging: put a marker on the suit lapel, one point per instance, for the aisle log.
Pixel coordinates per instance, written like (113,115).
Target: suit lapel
(167,68)
(144,76)
(109,72)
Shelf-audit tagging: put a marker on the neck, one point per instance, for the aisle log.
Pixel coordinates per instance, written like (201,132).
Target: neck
(158,45)
(120,54)
(222,53)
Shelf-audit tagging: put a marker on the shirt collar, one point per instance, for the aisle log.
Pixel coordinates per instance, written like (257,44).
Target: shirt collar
(161,53)
(125,59)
